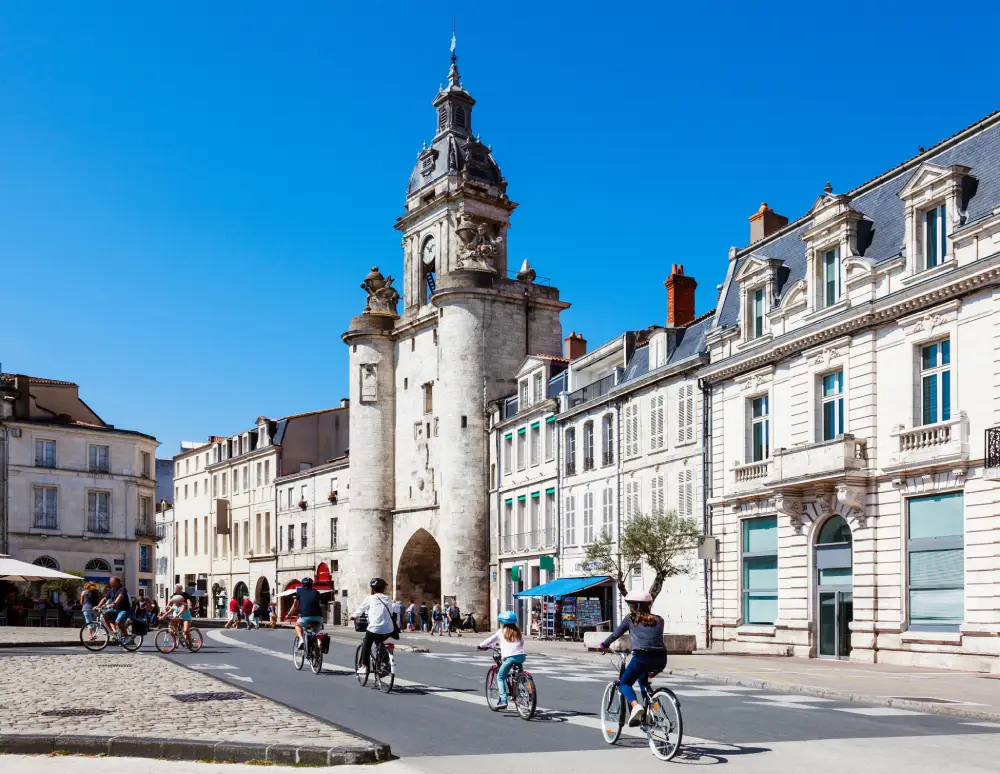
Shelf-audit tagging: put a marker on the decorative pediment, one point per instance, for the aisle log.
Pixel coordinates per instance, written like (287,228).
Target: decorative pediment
(929,176)
(829,212)
(756,267)
(829,204)
(857,266)
(794,296)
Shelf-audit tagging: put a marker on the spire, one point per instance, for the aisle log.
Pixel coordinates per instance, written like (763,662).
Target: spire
(454,80)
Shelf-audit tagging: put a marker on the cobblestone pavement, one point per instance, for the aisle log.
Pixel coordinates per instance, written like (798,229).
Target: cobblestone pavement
(138,690)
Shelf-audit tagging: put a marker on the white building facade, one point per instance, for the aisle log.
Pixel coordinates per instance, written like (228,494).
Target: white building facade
(79,492)
(852,386)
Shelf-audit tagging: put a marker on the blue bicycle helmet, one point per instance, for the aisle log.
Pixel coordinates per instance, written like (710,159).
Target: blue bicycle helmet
(507,617)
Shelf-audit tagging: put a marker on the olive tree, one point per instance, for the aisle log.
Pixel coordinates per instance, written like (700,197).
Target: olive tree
(660,540)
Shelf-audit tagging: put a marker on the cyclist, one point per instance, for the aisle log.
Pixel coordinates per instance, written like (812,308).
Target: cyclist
(511,650)
(179,612)
(380,624)
(306,604)
(649,655)
(115,607)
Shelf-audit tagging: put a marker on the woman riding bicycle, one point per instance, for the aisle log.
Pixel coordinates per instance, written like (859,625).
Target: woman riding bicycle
(380,623)
(648,652)
(179,612)
(511,650)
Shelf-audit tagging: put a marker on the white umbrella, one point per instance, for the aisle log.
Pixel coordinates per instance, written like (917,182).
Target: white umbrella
(15,570)
(290,592)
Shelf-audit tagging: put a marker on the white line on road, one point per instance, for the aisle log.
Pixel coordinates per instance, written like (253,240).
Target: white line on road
(206,667)
(239,677)
(568,717)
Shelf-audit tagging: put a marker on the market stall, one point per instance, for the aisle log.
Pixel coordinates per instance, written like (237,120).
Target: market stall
(573,606)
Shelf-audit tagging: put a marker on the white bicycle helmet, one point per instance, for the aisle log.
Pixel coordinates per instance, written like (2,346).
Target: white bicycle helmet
(638,595)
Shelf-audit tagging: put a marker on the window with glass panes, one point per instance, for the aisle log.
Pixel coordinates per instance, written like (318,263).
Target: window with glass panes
(760,570)
(757,313)
(508,451)
(291,537)
(550,438)
(935,382)
(539,388)
(831,276)
(522,395)
(935,236)
(305,535)
(570,450)
(45,454)
(46,509)
(333,532)
(936,561)
(832,405)
(760,429)
(588,445)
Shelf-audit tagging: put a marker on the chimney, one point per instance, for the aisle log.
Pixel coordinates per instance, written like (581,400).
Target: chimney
(575,346)
(345,402)
(765,222)
(680,297)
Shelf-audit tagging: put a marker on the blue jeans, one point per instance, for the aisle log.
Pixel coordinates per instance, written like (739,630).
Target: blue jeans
(89,616)
(504,671)
(643,662)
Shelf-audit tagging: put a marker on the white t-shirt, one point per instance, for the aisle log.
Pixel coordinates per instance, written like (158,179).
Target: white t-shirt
(379,619)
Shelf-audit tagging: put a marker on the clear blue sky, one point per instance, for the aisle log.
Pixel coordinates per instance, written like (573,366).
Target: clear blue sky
(191,193)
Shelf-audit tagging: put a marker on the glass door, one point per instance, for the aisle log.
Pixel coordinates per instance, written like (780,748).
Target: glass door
(836,611)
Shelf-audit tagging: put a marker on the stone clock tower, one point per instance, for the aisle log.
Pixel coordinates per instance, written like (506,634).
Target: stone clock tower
(421,378)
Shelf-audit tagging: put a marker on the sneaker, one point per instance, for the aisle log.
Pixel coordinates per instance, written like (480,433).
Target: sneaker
(502,705)
(636,716)
(361,670)
(300,646)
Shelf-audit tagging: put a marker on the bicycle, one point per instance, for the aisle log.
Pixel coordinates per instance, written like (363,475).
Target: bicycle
(95,637)
(663,732)
(520,685)
(166,639)
(383,663)
(312,652)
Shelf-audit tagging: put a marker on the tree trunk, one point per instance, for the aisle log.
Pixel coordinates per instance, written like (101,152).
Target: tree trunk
(657,586)
(622,589)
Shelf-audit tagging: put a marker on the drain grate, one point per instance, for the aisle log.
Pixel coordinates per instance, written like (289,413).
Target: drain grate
(925,699)
(216,696)
(113,666)
(76,712)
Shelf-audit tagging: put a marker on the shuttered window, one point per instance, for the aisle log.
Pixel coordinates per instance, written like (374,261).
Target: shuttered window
(685,493)
(570,525)
(607,512)
(588,518)
(632,445)
(656,494)
(685,413)
(656,439)
(633,501)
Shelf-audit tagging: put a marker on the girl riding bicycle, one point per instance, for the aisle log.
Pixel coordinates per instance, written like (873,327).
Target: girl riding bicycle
(511,650)
(179,612)
(648,652)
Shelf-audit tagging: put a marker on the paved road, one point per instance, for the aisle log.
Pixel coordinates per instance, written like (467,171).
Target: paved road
(439,709)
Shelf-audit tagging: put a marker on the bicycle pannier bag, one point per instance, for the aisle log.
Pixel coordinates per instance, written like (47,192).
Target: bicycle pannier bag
(323,640)
(361,623)
(140,627)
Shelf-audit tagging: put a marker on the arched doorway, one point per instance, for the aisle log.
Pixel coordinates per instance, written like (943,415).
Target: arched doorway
(98,571)
(834,589)
(263,595)
(241,591)
(418,576)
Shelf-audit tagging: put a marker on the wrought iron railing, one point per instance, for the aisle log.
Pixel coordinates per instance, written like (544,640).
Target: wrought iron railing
(608,458)
(592,391)
(98,524)
(570,468)
(993,447)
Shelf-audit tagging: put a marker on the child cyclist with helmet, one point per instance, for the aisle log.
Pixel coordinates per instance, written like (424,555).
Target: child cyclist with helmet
(648,652)
(511,650)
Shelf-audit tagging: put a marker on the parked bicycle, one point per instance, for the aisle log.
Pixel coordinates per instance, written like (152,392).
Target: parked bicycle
(520,686)
(383,666)
(166,640)
(317,643)
(662,721)
(95,637)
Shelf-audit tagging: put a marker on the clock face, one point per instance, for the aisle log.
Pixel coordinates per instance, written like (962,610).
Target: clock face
(430,252)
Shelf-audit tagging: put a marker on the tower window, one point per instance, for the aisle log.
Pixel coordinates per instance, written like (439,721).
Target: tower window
(442,118)
(428,398)
(460,117)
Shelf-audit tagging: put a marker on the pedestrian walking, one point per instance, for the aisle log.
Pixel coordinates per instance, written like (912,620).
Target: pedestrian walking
(454,619)
(247,610)
(272,615)
(255,616)
(437,618)
(423,617)
(234,614)
(397,611)
(89,599)
(411,616)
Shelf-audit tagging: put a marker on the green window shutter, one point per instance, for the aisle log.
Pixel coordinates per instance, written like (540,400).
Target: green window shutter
(535,425)
(509,501)
(550,491)
(509,436)
(547,563)
(522,431)
(535,495)
(550,419)
(521,498)
(515,572)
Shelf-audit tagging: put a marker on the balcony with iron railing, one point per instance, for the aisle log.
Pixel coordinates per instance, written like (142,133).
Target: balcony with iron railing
(570,468)
(522,542)
(608,458)
(592,391)
(588,463)
(992,454)
(99,525)
(147,528)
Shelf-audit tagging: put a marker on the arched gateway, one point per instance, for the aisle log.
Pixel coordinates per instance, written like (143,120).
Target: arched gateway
(418,576)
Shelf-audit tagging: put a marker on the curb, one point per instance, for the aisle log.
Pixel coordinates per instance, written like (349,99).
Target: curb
(25,645)
(189,750)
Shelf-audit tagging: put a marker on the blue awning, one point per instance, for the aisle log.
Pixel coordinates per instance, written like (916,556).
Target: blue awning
(564,587)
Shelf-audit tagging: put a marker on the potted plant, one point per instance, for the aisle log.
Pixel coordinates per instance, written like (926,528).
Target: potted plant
(333,497)
(303,504)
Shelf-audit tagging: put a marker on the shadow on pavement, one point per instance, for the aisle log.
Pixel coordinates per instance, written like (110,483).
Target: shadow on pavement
(711,755)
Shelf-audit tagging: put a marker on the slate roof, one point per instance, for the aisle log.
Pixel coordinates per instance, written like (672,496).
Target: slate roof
(692,343)
(878,201)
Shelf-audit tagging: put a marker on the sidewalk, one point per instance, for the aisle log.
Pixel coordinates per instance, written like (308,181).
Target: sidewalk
(946,692)
(140,705)
(61,636)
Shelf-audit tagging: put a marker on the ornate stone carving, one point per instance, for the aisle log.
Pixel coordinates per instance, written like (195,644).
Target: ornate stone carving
(382,296)
(753,384)
(526,274)
(826,356)
(369,382)
(852,498)
(479,248)
(791,506)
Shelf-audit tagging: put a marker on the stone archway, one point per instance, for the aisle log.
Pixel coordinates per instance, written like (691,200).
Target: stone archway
(418,576)
(241,591)
(263,594)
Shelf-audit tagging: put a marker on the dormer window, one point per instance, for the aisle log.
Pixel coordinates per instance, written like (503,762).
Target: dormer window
(830,269)
(522,395)
(757,314)
(657,351)
(935,239)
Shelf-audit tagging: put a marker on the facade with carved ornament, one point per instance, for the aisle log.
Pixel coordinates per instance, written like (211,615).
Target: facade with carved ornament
(853,378)
(422,378)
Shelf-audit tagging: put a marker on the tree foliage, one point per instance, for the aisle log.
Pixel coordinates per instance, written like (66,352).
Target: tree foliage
(659,540)
(71,588)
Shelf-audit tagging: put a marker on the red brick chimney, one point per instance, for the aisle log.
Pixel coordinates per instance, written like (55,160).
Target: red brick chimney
(680,297)
(765,222)
(575,346)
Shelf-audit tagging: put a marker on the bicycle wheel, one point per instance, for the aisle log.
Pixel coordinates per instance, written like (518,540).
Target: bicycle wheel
(298,655)
(94,637)
(316,659)
(492,688)
(664,726)
(385,672)
(359,671)
(164,641)
(525,696)
(131,642)
(612,713)
(195,640)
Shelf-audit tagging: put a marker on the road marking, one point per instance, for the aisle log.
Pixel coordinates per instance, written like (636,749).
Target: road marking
(696,693)
(206,667)
(983,725)
(784,704)
(239,677)
(876,711)
(577,720)
(792,698)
